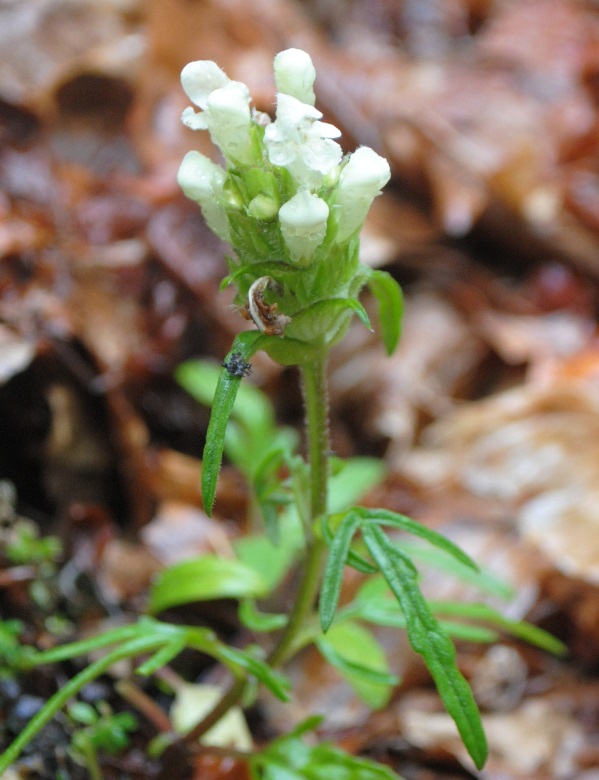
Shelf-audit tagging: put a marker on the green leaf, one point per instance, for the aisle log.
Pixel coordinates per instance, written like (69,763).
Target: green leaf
(532,634)
(354,478)
(438,559)
(267,487)
(360,311)
(245,344)
(381,610)
(335,566)
(356,654)
(403,523)
(271,562)
(390,307)
(323,323)
(430,641)
(290,758)
(203,579)
(353,559)
(258,621)
(288,351)
(163,656)
(274,681)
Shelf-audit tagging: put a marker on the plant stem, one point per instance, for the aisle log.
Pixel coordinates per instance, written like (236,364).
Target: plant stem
(316,402)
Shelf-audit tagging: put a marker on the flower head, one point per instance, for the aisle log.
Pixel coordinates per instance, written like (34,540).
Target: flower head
(287,202)
(300,142)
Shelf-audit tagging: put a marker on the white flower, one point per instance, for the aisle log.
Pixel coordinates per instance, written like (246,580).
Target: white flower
(295,74)
(303,222)
(226,109)
(202,180)
(298,141)
(199,79)
(361,180)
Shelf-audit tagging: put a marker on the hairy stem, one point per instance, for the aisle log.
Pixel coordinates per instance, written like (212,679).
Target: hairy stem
(314,383)
(317,431)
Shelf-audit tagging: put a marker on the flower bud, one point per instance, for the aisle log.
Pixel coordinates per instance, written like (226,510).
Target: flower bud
(263,207)
(202,180)
(303,222)
(295,74)
(361,180)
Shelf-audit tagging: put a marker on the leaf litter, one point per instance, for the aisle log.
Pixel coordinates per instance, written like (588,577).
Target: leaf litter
(486,416)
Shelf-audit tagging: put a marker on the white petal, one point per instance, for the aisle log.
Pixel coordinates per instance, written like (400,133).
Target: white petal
(231,103)
(292,111)
(200,78)
(360,182)
(194,119)
(365,170)
(229,116)
(303,224)
(325,130)
(295,74)
(199,177)
(321,154)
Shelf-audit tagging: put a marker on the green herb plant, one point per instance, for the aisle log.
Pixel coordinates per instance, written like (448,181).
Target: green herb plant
(291,205)
(98,730)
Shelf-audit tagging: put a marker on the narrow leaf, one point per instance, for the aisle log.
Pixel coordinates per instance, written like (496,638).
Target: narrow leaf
(429,640)
(532,634)
(389,297)
(403,523)
(333,573)
(482,580)
(354,559)
(374,604)
(245,344)
(163,656)
(274,681)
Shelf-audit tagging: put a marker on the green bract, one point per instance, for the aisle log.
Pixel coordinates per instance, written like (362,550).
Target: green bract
(288,202)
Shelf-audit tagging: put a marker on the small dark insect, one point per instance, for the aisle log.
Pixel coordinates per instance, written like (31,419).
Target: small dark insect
(236,365)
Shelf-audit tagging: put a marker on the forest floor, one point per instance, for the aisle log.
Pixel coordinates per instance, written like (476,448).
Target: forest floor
(487,416)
